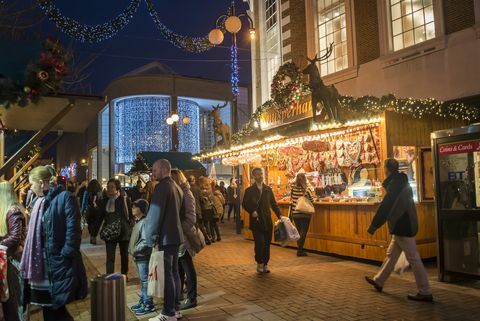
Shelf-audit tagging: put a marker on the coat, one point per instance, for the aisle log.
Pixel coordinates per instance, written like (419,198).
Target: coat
(122,209)
(137,246)
(231,195)
(397,207)
(262,202)
(218,202)
(188,218)
(163,225)
(196,194)
(16,227)
(62,234)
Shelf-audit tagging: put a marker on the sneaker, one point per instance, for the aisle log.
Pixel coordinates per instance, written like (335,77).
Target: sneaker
(162,317)
(178,315)
(420,297)
(266,269)
(136,306)
(260,268)
(188,304)
(145,309)
(377,286)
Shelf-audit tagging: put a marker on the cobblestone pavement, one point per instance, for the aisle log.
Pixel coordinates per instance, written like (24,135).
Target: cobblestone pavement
(316,287)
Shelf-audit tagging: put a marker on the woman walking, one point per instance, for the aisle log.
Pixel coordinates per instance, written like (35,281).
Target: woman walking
(302,220)
(90,200)
(186,251)
(12,238)
(116,217)
(233,198)
(51,262)
(206,203)
(219,207)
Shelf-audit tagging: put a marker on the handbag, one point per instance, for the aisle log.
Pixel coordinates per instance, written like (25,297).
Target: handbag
(156,276)
(304,205)
(196,239)
(111,231)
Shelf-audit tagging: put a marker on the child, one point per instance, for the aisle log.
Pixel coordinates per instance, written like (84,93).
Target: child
(141,254)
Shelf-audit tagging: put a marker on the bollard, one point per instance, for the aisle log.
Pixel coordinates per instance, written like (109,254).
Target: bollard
(108,297)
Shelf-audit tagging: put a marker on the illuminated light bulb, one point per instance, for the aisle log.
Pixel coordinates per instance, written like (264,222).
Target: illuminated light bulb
(169,121)
(175,118)
(252,34)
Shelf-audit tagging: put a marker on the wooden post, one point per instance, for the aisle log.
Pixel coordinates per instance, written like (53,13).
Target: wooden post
(2,150)
(36,138)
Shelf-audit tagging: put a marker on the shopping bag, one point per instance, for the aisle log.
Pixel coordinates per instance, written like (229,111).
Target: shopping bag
(402,264)
(4,295)
(279,232)
(156,277)
(304,205)
(292,232)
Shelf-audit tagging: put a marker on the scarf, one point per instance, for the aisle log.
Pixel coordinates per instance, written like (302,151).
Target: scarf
(110,208)
(32,257)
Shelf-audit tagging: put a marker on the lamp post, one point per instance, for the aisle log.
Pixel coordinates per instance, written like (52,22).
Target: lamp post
(173,121)
(232,23)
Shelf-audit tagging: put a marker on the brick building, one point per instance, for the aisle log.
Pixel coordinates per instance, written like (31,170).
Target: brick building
(412,48)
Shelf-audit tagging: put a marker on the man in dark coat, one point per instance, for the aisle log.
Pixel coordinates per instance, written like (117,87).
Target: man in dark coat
(398,208)
(163,229)
(257,201)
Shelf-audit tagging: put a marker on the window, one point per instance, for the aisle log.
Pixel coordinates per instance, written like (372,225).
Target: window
(412,22)
(272,40)
(332,28)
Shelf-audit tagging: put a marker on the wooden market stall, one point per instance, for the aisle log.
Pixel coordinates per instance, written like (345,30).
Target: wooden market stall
(343,164)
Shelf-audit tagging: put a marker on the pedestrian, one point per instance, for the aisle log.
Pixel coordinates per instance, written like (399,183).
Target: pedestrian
(302,220)
(398,209)
(51,261)
(91,199)
(136,192)
(12,237)
(196,191)
(218,210)
(164,230)
(206,203)
(233,198)
(186,251)
(149,188)
(223,190)
(141,252)
(257,201)
(116,229)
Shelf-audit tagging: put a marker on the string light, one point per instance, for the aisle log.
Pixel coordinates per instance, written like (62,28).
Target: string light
(234,66)
(87,33)
(189,134)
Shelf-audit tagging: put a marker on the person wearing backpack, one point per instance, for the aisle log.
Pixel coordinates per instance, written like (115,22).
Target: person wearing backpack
(302,220)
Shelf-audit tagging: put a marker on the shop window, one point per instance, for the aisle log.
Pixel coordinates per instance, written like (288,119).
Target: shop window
(412,22)
(332,28)
(407,159)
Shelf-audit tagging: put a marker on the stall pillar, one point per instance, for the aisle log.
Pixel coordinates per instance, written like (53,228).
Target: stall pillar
(2,150)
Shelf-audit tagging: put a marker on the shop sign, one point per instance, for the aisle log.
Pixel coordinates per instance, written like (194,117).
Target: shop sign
(273,118)
(459,148)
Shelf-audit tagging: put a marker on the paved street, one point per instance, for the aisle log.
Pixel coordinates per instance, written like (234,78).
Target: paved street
(317,287)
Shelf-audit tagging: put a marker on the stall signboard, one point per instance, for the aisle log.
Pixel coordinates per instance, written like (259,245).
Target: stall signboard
(273,118)
(459,148)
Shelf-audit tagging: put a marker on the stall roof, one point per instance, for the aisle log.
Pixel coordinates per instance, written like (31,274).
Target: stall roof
(36,116)
(178,160)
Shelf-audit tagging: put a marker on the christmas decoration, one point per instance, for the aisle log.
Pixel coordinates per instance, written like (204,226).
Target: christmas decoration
(191,44)
(139,165)
(87,33)
(234,66)
(189,128)
(42,77)
(288,86)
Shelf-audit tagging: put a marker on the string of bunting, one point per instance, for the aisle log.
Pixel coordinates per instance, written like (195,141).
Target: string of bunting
(87,33)
(285,94)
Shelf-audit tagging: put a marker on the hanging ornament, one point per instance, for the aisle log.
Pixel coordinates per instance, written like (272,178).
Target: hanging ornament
(42,75)
(216,36)
(233,24)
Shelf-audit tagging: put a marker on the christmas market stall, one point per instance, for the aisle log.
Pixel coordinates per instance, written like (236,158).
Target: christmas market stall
(340,144)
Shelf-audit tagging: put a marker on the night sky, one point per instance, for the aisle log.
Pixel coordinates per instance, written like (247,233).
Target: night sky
(140,42)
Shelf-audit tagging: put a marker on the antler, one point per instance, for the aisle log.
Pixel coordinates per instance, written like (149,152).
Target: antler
(325,56)
(220,107)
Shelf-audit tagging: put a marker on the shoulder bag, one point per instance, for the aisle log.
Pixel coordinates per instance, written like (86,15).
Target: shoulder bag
(304,205)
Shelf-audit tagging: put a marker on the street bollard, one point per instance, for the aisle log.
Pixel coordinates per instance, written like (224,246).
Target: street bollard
(108,297)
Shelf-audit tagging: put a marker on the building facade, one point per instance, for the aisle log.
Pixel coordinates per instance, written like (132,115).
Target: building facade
(411,48)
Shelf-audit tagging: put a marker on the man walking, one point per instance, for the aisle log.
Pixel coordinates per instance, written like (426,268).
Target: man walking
(257,201)
(163,229)
(399,210)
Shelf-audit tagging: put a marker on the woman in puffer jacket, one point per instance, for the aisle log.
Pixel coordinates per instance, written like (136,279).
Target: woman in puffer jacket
(185,258)
(218,203)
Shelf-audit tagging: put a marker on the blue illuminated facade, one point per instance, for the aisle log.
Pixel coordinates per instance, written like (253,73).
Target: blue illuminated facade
(189,134)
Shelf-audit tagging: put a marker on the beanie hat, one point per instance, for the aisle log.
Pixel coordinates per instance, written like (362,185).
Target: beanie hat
(142,205)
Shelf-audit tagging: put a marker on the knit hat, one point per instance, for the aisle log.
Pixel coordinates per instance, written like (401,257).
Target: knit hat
(142,205)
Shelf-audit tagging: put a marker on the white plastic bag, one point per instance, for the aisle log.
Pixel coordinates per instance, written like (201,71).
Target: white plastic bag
(402,264)
(156,277)
(292,232)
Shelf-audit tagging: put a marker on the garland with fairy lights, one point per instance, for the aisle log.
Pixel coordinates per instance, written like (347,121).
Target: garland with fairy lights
(87,33)
(234,66)
(44,76)
(360,106)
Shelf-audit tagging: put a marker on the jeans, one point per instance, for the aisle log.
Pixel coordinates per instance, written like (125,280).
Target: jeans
(302,222)
(231,208)
(409,246)
(111,248)
(215,230)
(172,289)
(186,264)
(60,314)
(262,241)
(142,269)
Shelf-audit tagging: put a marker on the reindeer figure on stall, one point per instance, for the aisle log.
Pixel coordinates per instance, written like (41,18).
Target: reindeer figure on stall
(219,128)
(326,96)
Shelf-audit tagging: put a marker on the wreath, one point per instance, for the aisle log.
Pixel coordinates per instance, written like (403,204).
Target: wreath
(45,75)
(288,86)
